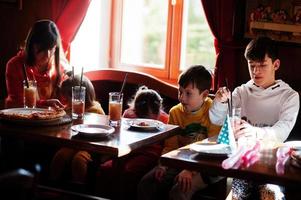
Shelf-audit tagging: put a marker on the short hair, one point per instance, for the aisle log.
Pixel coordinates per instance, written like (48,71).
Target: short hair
(66,88)
(259,47)
(198,76)
(146,102)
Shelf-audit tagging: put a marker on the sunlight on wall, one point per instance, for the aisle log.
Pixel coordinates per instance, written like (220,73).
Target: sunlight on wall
(90,48)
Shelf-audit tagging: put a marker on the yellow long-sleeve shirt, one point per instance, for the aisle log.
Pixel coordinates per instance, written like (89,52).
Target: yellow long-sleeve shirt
(195,126)
(95,108)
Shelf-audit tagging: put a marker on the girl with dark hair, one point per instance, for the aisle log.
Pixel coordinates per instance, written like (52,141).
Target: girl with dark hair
(43,60)
(147,103)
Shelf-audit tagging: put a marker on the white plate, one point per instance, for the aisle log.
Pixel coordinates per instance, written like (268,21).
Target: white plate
(144,124)
(93,130)
(211,149)
(293,144)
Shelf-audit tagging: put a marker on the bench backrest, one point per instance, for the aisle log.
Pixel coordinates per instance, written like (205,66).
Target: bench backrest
(110,80)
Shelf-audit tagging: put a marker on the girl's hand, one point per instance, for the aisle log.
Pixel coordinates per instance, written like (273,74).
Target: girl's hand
(160,172)
(222,95)
(184,179)
(55,103)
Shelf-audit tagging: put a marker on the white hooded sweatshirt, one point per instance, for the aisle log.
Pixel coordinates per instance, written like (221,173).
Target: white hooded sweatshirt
(274,109)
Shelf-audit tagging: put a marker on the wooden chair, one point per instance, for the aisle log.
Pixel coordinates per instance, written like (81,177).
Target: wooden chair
(110,80)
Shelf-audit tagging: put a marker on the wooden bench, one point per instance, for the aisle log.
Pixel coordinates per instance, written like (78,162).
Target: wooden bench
(110,80)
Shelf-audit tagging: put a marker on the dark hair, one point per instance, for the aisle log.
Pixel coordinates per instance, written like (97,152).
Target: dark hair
(45,35)
(259,47)
(66,89)
(198,76)
(146,102)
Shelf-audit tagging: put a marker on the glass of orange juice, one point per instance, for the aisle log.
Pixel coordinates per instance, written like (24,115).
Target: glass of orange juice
(115,108)
(30,94)
(78,102)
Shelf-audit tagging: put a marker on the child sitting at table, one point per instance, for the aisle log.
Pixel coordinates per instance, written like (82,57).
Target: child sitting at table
(192,115)
(43,60)
(91,105)
(269,106)
(65,157)
(147,103)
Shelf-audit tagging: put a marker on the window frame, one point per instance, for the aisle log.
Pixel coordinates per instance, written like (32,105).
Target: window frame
(171,68)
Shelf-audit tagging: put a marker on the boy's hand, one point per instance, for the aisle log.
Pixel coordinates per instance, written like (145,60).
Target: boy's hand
(244,129)
(184,179)
(222,95)
(160,172)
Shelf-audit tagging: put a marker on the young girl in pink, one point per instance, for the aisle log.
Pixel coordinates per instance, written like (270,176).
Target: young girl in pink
(147,103)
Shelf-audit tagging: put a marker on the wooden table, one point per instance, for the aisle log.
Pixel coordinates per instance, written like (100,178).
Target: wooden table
(120,143)
(262,171)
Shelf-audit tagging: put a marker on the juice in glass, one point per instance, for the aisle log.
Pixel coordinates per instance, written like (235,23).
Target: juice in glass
(78,101)
(30,94)
(78,109)
(115,108)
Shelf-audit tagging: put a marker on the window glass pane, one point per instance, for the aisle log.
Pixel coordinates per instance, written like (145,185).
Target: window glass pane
(90,47)
(144,26)
(197,39)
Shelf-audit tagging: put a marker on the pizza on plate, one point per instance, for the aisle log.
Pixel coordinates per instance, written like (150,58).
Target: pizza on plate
(31,114)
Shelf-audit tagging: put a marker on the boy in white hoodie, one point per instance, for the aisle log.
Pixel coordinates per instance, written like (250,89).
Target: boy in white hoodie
(269,106)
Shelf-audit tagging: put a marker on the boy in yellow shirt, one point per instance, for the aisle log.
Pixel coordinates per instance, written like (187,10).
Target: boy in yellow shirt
(192,115)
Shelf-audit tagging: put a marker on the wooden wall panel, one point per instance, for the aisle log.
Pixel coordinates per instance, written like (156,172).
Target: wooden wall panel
(15,23)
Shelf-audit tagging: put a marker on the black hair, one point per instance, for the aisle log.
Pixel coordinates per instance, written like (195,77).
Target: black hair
(45,35)
(259,47)
(198,76)
(146,102)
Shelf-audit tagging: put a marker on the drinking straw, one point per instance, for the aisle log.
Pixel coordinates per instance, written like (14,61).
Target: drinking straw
(34,78)
(123,84)
(25,76)
(72,73)
(81,80)
(72,76)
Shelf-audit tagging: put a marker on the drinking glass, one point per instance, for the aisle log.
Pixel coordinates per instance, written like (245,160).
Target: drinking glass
(235,122)
(235,118)
(30,94)
(115,108)
(78,101)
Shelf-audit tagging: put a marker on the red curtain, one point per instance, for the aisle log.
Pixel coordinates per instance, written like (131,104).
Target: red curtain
(220,17)
(68,16)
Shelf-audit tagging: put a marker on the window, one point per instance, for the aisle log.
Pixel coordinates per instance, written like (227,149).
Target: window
(197,39)
(161,37)
(90,47)
(157,37)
